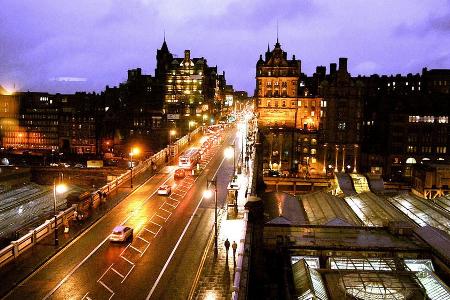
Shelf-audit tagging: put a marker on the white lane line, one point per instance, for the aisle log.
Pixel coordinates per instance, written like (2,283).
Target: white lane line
(118,273)
(130,262)
(149,231)
(127,274)
(86,296)
(145,249)
(174,206)
(123,251)
(179,241)
(154,222)
(136,249)
(106,287)
(96,248)
(164,209)
(161,217)
(143,239)
(105,272)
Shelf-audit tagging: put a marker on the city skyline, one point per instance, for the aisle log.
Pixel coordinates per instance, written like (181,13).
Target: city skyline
(84,47)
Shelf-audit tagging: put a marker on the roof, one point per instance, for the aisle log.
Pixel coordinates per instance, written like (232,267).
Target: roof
(282,208)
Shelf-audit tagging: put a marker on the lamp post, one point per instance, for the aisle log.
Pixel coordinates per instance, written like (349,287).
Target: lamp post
(230,152)
(57,189)
(171,133)
(189,133)
(208,194)
(134,151)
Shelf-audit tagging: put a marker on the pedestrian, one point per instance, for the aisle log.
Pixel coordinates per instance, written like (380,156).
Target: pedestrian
(234,246)
(236,194)
(227,246)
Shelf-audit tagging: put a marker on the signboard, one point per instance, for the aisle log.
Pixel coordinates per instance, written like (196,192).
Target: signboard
(94,164)
(276,117)
(173,116)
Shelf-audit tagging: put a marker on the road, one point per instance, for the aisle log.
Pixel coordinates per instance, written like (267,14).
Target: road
(170,238)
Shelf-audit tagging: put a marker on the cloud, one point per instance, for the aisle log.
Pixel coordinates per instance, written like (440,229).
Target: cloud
(69,79)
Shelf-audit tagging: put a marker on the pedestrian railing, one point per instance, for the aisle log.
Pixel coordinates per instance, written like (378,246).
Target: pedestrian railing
(240,259)
(17,247)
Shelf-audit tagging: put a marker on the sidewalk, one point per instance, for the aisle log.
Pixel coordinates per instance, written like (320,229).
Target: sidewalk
(217,275)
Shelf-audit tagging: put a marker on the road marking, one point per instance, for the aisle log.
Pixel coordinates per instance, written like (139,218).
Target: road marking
(200,267)
(161,217)
(154,222)
(101,282)
(117,272)
(128,273)
(143,239)
(96,248)
(179,241)
(135,249)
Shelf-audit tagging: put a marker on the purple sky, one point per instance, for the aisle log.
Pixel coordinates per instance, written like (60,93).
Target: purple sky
(84,45)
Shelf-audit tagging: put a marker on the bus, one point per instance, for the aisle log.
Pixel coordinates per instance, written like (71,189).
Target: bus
(189,158)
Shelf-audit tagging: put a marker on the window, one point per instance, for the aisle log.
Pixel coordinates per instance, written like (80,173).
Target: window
(341,125)
(411,149)
(441,149)
(283,103)
(293,103)
(312,113)
(313,151)
(268,103)
(299,103)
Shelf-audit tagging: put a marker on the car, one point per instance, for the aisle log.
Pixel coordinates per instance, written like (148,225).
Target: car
(164,190)
(121,234)
(179,173)
(79,166)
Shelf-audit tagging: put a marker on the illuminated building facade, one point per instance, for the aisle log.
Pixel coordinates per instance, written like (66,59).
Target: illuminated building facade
(290,118)
(190,89)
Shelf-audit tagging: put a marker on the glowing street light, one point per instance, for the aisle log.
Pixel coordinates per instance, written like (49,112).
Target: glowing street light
(134,151)
(229,153)
(172,132)
(191,123)
(207,194)
(57,189)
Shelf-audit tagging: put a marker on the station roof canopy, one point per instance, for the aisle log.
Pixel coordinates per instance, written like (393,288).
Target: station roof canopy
(282,208)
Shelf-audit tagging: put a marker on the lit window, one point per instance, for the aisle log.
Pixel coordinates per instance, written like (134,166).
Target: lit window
(312,113)
(299,103)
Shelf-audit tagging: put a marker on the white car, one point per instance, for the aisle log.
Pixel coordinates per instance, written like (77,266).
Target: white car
(121,234)
(164,190)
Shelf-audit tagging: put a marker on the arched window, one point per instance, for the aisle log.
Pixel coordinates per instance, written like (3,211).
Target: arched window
(411,160)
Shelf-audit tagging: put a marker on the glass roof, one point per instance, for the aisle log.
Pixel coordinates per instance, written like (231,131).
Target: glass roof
(360,183)
(420,212)
(443,202)
(322,207)
(371,209)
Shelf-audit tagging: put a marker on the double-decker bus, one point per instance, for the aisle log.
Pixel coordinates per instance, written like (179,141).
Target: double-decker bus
(189,158)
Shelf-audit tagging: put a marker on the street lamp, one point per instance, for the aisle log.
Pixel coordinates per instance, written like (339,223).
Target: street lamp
(171,133)
(57,189)
(191,123)
(229,153)
(207,194)
(134,151)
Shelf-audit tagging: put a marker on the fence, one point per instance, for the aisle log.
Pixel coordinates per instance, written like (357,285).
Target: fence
(24,243)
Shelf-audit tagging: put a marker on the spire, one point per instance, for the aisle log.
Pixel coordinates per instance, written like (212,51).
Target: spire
(277,32)
(164,45)
(268,48)
(277,45)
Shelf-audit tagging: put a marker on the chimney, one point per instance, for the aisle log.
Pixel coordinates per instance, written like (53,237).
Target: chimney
(332,68)
(343,64)
(187,54)
(293,57)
